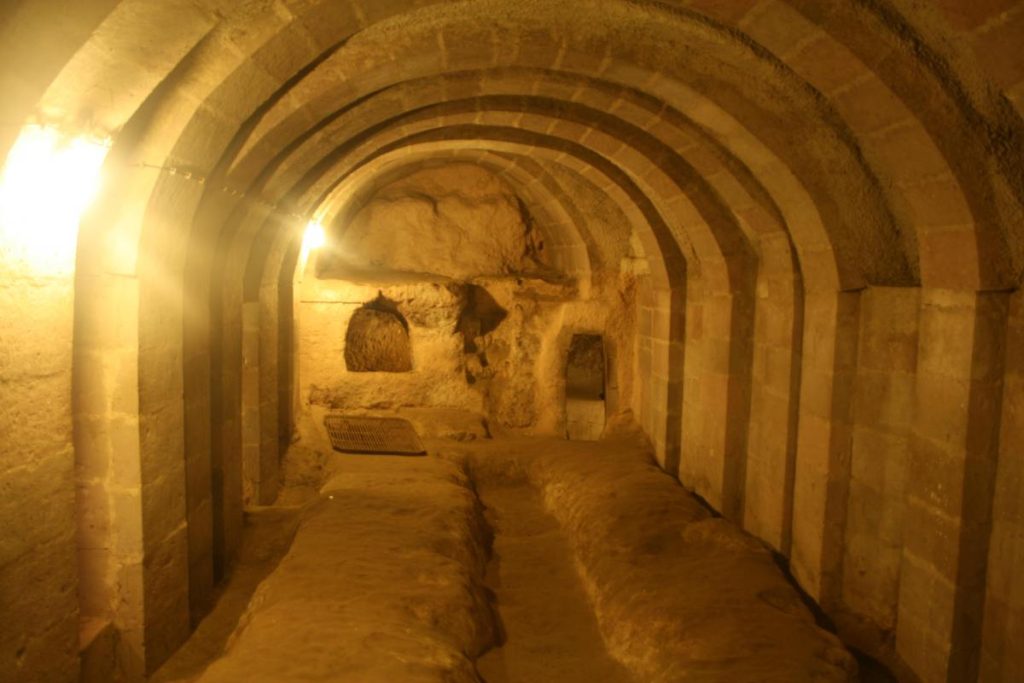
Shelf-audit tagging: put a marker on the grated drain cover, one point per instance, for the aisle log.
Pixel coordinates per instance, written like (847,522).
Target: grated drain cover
(373,435)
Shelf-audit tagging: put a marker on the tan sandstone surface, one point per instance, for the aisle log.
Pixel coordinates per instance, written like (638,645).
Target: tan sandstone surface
(527,559)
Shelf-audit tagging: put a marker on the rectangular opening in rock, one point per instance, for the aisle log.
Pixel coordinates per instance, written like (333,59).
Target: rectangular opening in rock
(584,388)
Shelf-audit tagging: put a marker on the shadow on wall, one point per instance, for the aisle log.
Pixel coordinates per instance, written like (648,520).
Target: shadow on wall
(480,316)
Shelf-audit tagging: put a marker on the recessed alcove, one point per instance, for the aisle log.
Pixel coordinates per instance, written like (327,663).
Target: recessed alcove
(377,339)
(449,264)
(585,371)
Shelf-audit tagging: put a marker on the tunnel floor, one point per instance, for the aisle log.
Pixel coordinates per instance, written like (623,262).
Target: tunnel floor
(547,625)
(505,560)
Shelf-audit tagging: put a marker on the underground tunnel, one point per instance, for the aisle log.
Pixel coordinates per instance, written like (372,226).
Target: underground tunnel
(511,342)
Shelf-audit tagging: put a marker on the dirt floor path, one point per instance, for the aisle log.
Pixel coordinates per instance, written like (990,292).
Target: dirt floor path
(550,633)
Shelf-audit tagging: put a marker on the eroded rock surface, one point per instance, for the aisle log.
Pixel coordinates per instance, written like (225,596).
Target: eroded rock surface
(626,572)
(383,583)
(678,595)
(458,221)
(681,595)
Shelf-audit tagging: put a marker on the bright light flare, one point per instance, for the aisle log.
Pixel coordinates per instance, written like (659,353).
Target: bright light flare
(314,237)
(48,182)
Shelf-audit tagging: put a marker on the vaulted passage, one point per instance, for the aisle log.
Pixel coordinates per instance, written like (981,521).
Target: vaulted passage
(705,317)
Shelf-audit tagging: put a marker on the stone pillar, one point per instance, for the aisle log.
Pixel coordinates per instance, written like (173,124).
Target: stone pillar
(954,447)
(659,384)
(198,463)
(270,447)
(130,422)
(822,476)
(165,530)
(883,412)
(108,458)
(1002,658)
(775,398)
(251,466)
(717,399)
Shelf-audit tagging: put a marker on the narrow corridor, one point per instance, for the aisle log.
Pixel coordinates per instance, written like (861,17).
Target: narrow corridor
(548,625)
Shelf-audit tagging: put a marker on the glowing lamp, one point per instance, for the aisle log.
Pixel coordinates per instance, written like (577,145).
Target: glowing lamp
(47,183)
(314,237)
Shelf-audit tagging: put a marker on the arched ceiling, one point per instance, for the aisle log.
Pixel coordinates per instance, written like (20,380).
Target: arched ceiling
(881,139)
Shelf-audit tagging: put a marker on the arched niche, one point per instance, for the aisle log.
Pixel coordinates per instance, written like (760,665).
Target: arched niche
(377,339)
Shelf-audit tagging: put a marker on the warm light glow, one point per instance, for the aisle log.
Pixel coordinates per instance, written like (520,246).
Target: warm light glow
(314,238)
(48,182)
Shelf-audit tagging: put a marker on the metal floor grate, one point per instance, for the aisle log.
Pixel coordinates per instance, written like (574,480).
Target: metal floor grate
(373,435)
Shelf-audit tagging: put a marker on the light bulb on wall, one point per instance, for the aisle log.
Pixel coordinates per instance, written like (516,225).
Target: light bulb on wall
(314,237)
(48,182)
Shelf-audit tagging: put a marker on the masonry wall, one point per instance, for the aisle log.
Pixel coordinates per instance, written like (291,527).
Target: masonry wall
(1003,629)
(166,464)
(38,559)
(867,152)
(954,450)
(108,466)
(269,408)
(659,368)
(774,403)
(883,408)
(899,451)
(704,396)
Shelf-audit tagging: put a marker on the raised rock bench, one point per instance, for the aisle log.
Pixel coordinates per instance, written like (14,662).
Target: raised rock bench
(679,595)
(385,578)
(382,584)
